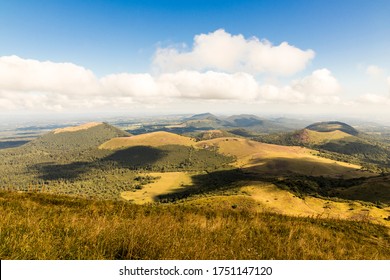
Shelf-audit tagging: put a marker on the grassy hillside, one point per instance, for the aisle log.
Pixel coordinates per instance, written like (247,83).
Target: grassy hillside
(168,158)
(337,145)
(127,167)
(333,126)
(76,139)
(203,116)
(304,137)
(360,149)
(153,139)
(163,183)
(278,160)
(242,132)
(376,190)
(312,137)
(245,120)
(99,173)
(37,226)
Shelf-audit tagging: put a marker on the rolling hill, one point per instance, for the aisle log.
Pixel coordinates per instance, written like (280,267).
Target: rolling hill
(188,186)
(152,139)
(203,116)
(74,139)
(333,126)
(313,137)
(212,163)
(337,140)
(269,159)
(260,157)
(244,120)
(203,121)
(254,124)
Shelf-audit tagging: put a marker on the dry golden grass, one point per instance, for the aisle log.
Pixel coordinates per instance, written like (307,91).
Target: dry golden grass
(165,183)
(77,128)
(153,139)
(275,158)
(38,226)
(315,137)
(271,198)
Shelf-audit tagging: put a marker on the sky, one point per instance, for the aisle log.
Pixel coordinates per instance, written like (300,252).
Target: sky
(172,57)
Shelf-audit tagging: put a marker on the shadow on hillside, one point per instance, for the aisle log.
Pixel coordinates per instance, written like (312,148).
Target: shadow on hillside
(292,175)
(12,144)
(132,158)
(369,152)
(302,166)
(211,182)
(71,171)
(295,175)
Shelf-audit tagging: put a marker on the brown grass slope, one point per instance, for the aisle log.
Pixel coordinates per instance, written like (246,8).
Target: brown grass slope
(37,226)
(77,128)
(311,137)
(277,159)
(153,139)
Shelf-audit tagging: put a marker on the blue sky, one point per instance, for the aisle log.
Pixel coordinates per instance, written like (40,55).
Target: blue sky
(349,39)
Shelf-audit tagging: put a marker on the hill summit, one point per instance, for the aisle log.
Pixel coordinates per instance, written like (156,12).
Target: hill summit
(333,126)
(204,116)
(77,128)
(244,120)
(77,138)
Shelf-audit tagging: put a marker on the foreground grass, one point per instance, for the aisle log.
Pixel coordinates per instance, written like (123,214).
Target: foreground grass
(41,226)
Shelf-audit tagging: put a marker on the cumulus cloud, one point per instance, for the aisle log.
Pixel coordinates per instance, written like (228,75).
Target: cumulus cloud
(221,51)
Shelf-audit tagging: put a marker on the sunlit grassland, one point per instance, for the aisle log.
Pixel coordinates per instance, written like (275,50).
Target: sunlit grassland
(42,226)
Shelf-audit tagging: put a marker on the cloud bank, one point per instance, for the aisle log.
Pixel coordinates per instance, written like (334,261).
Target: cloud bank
(220,66)
(29,84)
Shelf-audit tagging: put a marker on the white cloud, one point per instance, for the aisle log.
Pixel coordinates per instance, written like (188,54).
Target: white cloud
(33,75)
(209,85)
(375,99)
(221,51)
(319,87)
(388,81)
(320,82)
(34,85)
(125,84)
(375,71)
